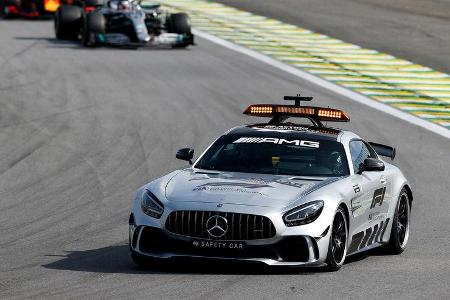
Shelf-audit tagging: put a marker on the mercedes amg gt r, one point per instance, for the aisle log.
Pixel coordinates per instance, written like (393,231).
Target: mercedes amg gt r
(277,192)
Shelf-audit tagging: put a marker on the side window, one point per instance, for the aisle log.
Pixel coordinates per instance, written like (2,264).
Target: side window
(359,152)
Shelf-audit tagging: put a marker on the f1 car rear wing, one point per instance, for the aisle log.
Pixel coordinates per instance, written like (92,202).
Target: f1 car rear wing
(383,150)
(280,113)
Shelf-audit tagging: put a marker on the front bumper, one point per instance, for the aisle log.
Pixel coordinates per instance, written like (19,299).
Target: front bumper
(285,251)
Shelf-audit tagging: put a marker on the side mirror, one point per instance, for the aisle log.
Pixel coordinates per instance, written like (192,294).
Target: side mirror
(185,154)
(372,164)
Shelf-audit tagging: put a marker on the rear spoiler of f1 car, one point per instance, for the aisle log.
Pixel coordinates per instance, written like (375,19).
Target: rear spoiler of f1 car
(383,150)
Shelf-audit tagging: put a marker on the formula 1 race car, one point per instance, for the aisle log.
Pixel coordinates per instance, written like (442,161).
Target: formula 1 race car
(122,23)
(279,193)
(28,8)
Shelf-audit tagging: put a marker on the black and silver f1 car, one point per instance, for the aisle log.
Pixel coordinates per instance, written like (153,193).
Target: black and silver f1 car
(122,23)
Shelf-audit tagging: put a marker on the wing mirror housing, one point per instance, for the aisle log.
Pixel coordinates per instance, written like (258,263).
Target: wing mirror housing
(185,154)
(372,165)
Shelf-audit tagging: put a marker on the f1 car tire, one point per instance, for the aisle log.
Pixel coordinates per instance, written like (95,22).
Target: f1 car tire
(337,248)
(179,23)
(400,226)
(67,22)
(93,3)
(4,12)
(93,26)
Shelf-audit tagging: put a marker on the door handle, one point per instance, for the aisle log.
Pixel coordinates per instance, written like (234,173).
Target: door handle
(383,180)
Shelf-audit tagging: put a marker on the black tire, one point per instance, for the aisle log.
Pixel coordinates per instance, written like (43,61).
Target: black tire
(337,248)
(68,22)
(179,23)
(94,24)
(400,225)
(93,2)
(4,4)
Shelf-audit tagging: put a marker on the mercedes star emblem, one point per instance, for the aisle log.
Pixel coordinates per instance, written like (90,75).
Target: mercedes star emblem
(217,226)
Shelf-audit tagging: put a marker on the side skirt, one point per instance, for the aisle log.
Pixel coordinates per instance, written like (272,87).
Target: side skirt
(364,240)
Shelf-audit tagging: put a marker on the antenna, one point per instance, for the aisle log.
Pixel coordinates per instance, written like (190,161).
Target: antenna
(297,99)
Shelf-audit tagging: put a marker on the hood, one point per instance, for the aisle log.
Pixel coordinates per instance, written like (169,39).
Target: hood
(240,188)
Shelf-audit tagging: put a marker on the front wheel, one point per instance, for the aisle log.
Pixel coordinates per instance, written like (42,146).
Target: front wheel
(400,226)
(94,27)
(337,248)
(179,23)
(67,22)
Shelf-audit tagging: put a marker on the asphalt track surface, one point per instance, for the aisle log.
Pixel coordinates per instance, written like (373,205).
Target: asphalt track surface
(416,30)
(81,130)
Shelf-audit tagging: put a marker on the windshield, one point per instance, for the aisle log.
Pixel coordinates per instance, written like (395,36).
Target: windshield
(281,156)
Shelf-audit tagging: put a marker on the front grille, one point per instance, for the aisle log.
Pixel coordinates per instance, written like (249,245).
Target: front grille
(240,226)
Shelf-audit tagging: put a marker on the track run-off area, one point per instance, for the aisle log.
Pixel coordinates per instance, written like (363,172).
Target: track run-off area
(82,129)
(416,89)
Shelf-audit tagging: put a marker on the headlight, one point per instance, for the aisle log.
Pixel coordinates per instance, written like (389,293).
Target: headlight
(151,206)
(303,214)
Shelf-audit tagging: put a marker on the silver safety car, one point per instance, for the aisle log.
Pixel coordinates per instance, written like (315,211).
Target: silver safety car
(279,193)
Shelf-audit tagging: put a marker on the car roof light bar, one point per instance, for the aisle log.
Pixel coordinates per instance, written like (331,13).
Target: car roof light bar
(280,113)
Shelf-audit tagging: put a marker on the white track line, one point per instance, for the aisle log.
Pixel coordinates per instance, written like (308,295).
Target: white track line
(326,84)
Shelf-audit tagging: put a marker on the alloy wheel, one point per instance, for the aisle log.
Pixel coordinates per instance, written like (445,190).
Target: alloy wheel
(403,221)
(339,238)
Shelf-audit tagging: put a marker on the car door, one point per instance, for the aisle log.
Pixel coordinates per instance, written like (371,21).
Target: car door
(368,207)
